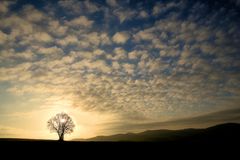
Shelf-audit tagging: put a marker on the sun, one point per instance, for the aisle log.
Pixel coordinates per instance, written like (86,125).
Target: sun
(62,120)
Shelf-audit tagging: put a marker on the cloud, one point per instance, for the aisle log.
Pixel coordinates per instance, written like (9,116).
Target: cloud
(129,68)
(3,37)
(80,21)
(15,73)
(12,56)
(160,7)
(85,39)
(98,52)
(143,14)
(105,38)
(50,50)
(42,37)
(120,37)
(94,38)
(144,35)
(115,65)
(78,7)
(91,7)
(124,14)
(70,39)
(157,8)
(120,53)
(133,55)
(169,52)
(237,2)
(112,3)
(4,6)
(56,28)
(35,16)
(20,25)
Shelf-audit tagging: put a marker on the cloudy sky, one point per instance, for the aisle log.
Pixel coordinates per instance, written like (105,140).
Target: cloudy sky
(118,66)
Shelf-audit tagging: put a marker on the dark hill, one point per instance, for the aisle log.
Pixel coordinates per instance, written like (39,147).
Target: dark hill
(223,132)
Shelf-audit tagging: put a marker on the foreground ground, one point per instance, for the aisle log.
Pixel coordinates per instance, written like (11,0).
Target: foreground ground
(215,140)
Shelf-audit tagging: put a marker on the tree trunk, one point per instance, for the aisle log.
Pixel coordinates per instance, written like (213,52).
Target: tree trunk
(61,138)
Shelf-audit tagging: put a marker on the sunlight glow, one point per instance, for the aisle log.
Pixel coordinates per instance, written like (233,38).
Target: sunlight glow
(62,120)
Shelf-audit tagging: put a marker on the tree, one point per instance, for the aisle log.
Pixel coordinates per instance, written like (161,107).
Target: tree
(62,124)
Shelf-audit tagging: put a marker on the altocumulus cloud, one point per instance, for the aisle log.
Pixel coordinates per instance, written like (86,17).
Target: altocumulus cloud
(144,64)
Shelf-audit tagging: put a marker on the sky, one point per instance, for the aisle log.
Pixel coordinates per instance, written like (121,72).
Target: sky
(118,66)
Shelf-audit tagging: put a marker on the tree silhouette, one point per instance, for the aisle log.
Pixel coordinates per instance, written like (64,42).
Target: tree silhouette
(62,124)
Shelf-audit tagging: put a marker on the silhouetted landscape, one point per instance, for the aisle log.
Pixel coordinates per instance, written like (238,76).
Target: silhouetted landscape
(223,133)
(220,133)
(218,140)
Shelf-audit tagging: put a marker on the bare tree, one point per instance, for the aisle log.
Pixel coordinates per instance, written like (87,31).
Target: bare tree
(62,124)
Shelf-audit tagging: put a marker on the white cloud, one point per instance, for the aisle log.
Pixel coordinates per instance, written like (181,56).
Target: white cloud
(93,38)
(10,55)
(70,39)
(81,21)
(112,3)
(68,59)
(158,43)
(129,68)
(105,39)
(18,24)
(162,7)
(157,8)
(15,73)
(120,37)
(154,65)
(98,52)
(133,55)
(100,65)
(4,6)
(92,65)
(115,65)
(170,52)
(124,14)
(56,28)
(3,37)
(120,53)
(42,37)
(79,7)
(143,14)
(144,35)
(50,50)
(91,7)
(35,16)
